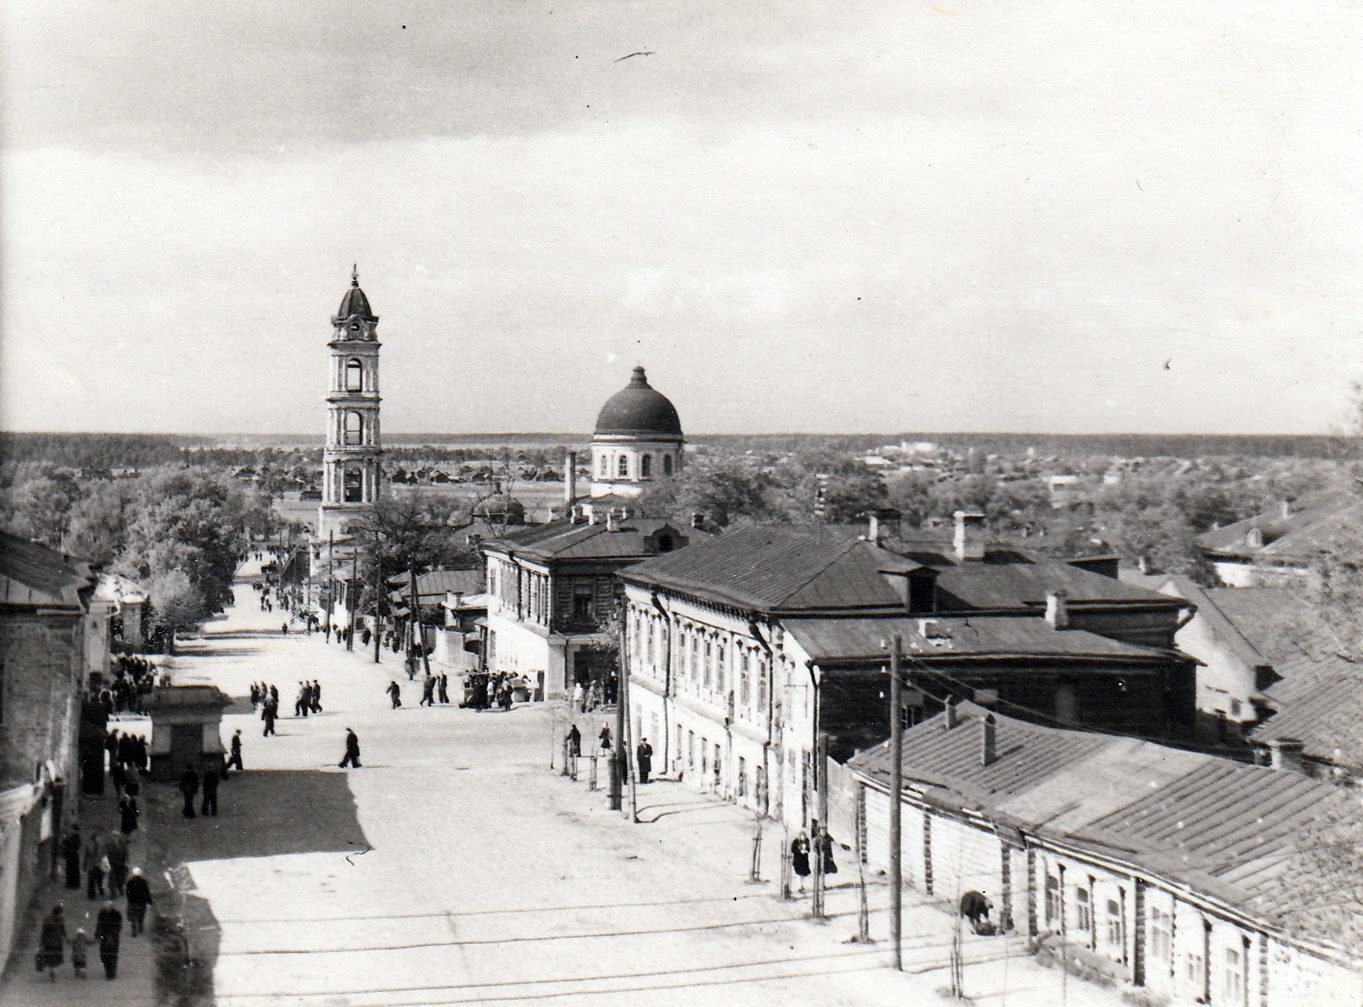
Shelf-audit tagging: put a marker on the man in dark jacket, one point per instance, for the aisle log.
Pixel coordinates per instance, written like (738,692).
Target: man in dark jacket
(235,759)
(644,755)
(139,898)
(189,786)
(210,800)
(108,929)
(352,750)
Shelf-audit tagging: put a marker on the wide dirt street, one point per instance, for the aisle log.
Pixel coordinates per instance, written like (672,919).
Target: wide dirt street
(455,868)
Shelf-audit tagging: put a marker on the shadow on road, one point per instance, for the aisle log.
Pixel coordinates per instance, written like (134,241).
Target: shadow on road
(264,813)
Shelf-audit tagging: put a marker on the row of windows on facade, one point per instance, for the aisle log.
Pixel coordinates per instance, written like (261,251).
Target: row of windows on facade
(703,760)
(1159,945)
(534,600)
(603,467)
(707,658)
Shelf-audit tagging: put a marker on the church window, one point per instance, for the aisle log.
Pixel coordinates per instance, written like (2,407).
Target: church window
(605,467)
(354,427)
(354,376)
(354,484)
(667,465)
(744,687)
(646,467)
(622,466)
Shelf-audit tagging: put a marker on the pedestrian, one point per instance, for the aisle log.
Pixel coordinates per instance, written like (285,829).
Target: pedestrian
(268,715)
(352,750)
(300,705)
(139,898)
(71,855)
(574,742)
(79,944)
(234,748)
(579,696)
(316,696)
(644,756)
(118,864)
(127,814)
(189,786)
(605,738)
(284,629)
(799,857)
(427,691)
(394,693)
(96,868)
(52,943)
(108,929)
(212,776)
(824,848)
(443,687)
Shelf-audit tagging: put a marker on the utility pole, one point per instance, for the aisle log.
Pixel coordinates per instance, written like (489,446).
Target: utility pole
(378,581)
(418,638)
(352,595)
(618,756)
(821,839)
(896,811)
(326,593)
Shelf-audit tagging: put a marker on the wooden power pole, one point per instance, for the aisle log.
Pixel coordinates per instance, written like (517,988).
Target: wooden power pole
(896,810)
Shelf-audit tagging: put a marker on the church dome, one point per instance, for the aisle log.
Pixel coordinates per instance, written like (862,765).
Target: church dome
(355,303)
(638,411)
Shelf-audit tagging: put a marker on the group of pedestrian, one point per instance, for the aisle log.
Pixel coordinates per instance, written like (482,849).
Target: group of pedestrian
(190,781)
(54,942)
(266,697)
(309,698)
(802,847)
(489,689)
(589,695)
(435,687)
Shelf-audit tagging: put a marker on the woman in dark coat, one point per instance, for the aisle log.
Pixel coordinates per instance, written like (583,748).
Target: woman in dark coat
(139,898)
(108,929)
(128,812)
(71,844)
(825,846)
(52,943)
(189,786)
(799,857)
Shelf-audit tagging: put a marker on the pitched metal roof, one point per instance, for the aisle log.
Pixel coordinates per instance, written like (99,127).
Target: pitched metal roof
(1021,584)
(565,540)
(33,574)
(1226,829)
(1318,523)
(1318,702)
(778,568)
(959,636)
(435,583)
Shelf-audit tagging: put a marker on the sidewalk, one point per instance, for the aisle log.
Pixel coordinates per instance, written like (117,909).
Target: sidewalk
(21,986)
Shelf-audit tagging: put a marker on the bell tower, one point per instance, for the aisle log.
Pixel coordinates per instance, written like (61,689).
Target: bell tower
(351,459)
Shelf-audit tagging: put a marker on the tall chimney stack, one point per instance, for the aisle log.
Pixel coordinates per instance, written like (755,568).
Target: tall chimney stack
(989,742)
(1057,609)
(969,536)
(570,478)
(1286,753)
(951,713)
(1287,503)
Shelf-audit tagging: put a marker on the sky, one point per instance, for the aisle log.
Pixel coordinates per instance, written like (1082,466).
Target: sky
(872,215)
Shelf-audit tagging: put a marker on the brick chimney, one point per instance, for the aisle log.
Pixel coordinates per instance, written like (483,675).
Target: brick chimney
(697,519)
(969,540)
(570,477)
(1286,505)
(612,519)
(1057,610)
(950,711)
(989,753)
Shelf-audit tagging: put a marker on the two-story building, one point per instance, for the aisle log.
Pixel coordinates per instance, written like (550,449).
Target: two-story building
(554,598)
(743,650)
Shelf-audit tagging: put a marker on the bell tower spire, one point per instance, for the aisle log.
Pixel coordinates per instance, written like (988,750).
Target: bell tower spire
(352,458)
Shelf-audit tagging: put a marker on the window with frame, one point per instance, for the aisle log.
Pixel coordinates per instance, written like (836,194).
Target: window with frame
(1194,970)
(622,466)
(645,466)
(354,376)
(1233,977)
(1083,909)
(1114,928)
(1161,935)
(667,465)
(604,468)
(708,666)
(1052,900)
(353,484)
(582,601)
(744,685)
(721,665)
